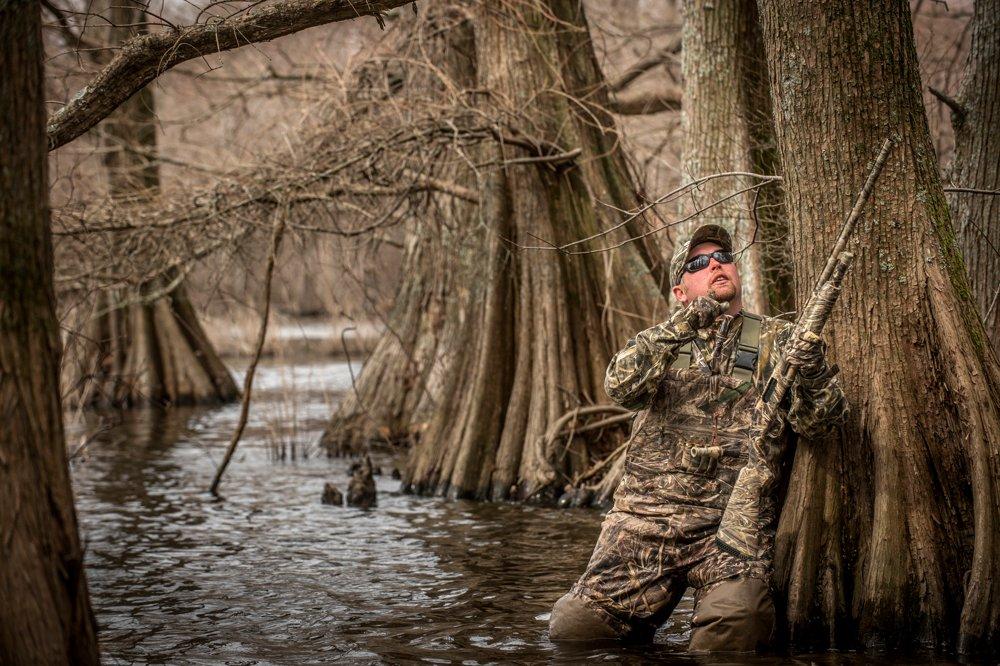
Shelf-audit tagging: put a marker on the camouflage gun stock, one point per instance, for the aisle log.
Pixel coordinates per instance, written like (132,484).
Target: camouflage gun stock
(739,531)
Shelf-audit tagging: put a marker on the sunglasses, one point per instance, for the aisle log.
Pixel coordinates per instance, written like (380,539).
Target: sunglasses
(701,261)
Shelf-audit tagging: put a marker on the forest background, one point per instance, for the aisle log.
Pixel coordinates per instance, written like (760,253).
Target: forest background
(404,180)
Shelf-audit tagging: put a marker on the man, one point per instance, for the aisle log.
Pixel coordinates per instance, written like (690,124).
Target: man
(696,379)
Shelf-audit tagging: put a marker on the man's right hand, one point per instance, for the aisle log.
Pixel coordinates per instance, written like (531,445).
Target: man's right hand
(702,311)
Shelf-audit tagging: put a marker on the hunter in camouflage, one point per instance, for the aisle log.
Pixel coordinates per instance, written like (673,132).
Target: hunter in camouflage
(695,379)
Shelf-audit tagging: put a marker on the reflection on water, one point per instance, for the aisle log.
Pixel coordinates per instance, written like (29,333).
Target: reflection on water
(272,576)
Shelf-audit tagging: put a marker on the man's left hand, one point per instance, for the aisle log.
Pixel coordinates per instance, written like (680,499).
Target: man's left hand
(806,353)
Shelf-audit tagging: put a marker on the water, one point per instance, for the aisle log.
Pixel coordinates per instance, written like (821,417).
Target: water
(272,576)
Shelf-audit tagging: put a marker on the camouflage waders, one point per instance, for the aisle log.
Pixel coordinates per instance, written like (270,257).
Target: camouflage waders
(688,445)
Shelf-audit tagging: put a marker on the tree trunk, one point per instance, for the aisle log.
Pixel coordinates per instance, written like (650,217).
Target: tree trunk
(890,535)
(726,124)
(45,615)
(538,338)
(140,353)
(400,385)
(977,165)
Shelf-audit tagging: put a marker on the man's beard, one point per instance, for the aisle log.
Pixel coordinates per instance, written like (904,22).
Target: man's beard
(724,291)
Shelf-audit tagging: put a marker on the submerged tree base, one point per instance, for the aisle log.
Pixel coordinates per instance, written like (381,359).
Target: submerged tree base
(145,354)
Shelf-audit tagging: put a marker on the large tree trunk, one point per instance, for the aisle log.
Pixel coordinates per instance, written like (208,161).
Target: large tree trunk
(977,165)
(45,615)
(140,352)
(538,338)
(890,536)
(400,385)
(726,123)
(403,382)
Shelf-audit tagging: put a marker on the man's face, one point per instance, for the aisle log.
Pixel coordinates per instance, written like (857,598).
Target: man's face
(718,281)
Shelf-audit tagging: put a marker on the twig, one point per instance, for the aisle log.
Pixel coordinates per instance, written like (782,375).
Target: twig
(645,103)
(559,158)
(279,230)
(958,110)
(972,190)
(597,425)
(74,40)
(350,371)
(632,239)
(664,198)
(600,465)
(993,303)
(87,440)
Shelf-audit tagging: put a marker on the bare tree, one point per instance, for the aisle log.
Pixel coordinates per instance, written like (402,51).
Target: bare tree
(45,615)
(727,127)
(539,335)
(145,351)
(976,119)
(399,388)
(890,536)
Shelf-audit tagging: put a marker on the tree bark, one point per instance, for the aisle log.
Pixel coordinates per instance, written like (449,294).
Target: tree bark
(891,534)
(45,615)
(141,353)
(726,123)
(544,324)
(977,165)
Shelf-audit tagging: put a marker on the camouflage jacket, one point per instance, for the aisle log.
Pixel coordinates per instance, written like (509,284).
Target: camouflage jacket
(691,436)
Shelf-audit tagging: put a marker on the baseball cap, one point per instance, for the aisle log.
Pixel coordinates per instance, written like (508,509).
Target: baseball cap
(706,233)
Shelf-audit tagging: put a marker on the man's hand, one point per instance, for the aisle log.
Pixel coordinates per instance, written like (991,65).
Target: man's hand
(702,311)
(698,314)
(806,353)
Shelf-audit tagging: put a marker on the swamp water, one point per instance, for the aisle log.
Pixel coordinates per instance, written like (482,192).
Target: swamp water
(272,576)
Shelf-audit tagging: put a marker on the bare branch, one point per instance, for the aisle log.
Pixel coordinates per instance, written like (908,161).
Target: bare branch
(958,111)
(645,103)
(972,190)
(144,57)
(644,65)
(96,52)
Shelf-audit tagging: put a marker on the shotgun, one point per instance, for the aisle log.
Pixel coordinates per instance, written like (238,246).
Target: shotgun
(739,530)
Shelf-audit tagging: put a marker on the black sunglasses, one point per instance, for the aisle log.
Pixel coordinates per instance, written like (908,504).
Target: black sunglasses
(701,261)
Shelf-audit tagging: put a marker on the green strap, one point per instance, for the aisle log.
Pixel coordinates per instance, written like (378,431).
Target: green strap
(684,357)
(746,353)
(748,348)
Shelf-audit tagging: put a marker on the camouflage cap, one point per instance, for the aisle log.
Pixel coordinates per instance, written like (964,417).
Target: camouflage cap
(707,233)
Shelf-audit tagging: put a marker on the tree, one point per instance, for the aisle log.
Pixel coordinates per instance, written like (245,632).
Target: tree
(975,118)
(543,324)
(399,386)
(45,614)
(134,351)
(890,535)
(727,126)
